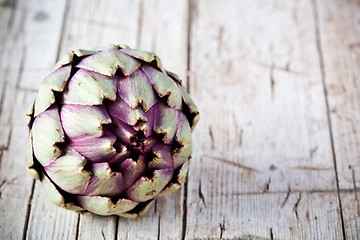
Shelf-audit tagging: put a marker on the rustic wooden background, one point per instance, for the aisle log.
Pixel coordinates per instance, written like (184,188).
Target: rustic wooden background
(277,150)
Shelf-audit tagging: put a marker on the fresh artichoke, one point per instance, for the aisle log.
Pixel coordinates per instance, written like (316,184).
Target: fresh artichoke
(110,130)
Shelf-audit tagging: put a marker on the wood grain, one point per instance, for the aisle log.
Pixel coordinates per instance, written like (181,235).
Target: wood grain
(276,152)
(264,126)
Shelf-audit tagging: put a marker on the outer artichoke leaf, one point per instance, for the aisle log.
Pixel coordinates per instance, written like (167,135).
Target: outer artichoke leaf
(69,57)
(68,172)
(84,52)
(120,110)
(174,76)
(55,196)
(46,132)
(104,206)
(183,137)
(30,114)
(51,191)
(98,149)
(137,89)
(73,116)
(163,158)
(191,106)
(108,47)
(56,81)
(64,60)
(141,212)
(145,189)
(89,88)
(173,187)
(166,121)
(108,62)
(164,86)
(180,178)
(132,170)
(29,159)
(104,182)
(139,54)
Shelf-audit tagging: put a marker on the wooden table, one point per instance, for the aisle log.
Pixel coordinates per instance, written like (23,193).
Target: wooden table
(277,150)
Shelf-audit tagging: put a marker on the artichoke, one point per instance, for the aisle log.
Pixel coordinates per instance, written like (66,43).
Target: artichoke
(110,130)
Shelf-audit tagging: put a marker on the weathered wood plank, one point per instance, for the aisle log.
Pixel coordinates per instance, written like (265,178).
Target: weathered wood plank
(16,183)
(257,81)
(339,43)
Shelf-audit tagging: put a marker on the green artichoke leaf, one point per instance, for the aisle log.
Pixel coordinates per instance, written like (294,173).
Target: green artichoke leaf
(139,54)
(68,172)
(141,212)
(56,81)
(148,188)
(183,137)
(191,106)
(164,86)
(166,122)
(55,196)
(108,62)
(180,180)
(29,159)
(104,206)
(46,132)
(30,114)
(89,88)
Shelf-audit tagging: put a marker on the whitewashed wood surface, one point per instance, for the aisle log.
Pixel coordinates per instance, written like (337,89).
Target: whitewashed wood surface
(277,149)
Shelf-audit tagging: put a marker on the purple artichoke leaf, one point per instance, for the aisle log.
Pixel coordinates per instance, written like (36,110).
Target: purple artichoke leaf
(164,86)
(137,89)
(96,149)
(73,116)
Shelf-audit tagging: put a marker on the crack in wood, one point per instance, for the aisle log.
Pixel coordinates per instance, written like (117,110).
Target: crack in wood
(116,227)
(191,6)
(313,191)
(201,195)
(211,138)
(286,198)
(309,168)
(222,228)
(77,227)
(355,188)
(272,80)
(103,235)
(313,151)
(267,186)
(159,225)
(271,234)
(28,210)
(223,160)
(295,209)
(323,80)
